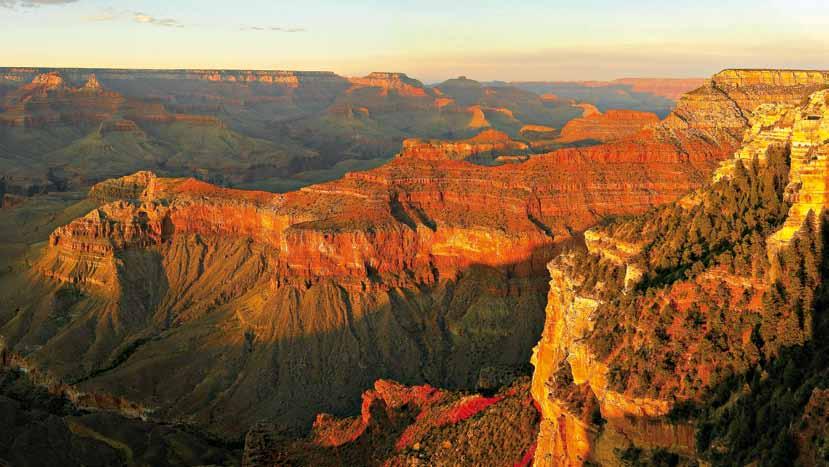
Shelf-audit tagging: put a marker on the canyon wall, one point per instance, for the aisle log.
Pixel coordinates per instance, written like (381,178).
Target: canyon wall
(606,127)
(576,363)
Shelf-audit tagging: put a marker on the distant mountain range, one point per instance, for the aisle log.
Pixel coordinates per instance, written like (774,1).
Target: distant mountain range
(276,130)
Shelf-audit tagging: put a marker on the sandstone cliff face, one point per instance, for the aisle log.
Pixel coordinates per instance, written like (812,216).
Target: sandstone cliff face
(606,127)
(486,143)
(808,190)
(749,88)
(567,350)
(397,82)
(572,437)
(130,187)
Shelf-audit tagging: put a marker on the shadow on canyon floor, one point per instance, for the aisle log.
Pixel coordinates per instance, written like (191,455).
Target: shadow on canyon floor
(226,347)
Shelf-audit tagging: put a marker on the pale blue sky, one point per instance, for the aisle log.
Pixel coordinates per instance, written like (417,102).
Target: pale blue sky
(430,40)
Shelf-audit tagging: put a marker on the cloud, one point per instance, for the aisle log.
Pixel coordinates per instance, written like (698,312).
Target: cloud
(271,28)
(32,3)
(110,14)
(144,18)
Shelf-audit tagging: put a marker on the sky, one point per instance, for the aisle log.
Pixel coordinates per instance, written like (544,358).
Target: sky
(427,39)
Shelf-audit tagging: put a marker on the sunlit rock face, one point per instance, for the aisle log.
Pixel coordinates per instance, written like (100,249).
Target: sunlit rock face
(571,387)
(486,143)
(808,188)
(750,88)
(606,127)
(397,82)
(785,117)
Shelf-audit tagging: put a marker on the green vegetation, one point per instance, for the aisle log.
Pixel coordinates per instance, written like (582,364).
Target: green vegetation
(707,327)
(656,337)
(752,416)
(726,226)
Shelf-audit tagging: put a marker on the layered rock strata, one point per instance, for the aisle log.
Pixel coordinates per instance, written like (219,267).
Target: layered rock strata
(486,143)
(568,368)
(612,125)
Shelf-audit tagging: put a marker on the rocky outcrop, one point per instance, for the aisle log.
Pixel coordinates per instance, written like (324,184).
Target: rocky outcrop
(486,143)
(537,131)
(567,360)
(397,82)
(567,370)
(808,189)
(48,100)
(92,83)
(750,88)
(47,82)
(587,110)
(478,118)
(418,425)
(614,125)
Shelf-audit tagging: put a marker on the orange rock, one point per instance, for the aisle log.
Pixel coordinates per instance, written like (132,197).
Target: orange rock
(611,126)
(478,117)
(397,82)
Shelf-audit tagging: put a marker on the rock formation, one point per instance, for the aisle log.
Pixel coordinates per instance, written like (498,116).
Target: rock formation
(807,189)
(612,373)
(486,143)
(418,425)
(606,127)
(397,82)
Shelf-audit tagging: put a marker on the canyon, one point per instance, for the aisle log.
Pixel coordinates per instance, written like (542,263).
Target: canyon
(67,129)
(214,305)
